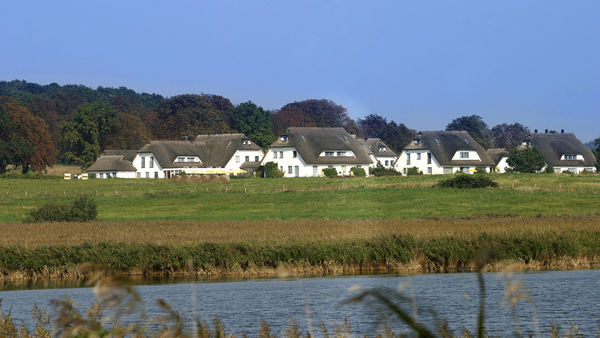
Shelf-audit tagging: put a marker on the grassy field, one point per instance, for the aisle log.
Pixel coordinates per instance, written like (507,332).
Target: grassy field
(307,198)
(257,225)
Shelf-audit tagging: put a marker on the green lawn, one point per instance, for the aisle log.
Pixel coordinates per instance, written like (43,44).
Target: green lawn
(303,198)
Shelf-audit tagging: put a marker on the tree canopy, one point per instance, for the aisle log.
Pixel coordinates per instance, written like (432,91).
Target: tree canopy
(473,124)
(508,136)
(192,114)
(253,121)
(596,152)
(312,113)
(528,160)
(29,142)
(396,136)
(87,133)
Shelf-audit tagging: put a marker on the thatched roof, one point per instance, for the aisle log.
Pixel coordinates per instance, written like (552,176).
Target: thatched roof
(128,154)
(554,145)
(213,150)
(444,144)
(496,154)
(312,142)
(111,163)
(377,147)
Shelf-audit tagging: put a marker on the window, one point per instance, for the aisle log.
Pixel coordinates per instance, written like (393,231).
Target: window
(418,156)
(151,162)
(464,169)
(436,141)
(345,138)
(329,153)
(281,168)
(147,174)
(181,159)
(284,138)
(428,158)
(464,154)
(294,154)
(447,170)
(315,170)
(256,158)
(466,140)
(382,149)
(570,157)
(156,174)
(297,170)
(281,154)
(417,141)
(143,162)
(138,174)
(289,169)
(237,159)
(247,159)
(387,163)
(341,153)
(274,154)
(190,159)
(429,170)
(407,159)
(527,143)
(246,143)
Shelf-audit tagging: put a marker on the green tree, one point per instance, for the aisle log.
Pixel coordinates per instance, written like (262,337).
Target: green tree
(253,121)
(396,136)
(192,114)
(528,160)
(87,133)
(475,126)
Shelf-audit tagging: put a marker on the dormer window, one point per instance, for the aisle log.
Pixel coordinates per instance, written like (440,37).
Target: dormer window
(283,138)
(329,153)
(247,143)
(570,157)
(417,141)
(527,143)
(382,149)
(464,154)
(436,141)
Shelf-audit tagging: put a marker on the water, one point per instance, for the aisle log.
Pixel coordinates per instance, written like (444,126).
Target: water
(562,296)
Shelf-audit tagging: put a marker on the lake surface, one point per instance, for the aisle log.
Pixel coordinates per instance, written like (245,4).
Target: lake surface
(562,296)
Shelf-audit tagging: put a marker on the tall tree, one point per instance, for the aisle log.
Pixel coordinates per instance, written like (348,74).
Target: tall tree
(473,124)
(87,133)
(597,153)
(131,133)
(311,113)
(253,121)
(192,114)
(396,136)
(508,136)
(33,148)
(528,160)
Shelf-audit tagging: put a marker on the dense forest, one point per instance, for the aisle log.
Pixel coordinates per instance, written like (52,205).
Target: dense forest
(41,125)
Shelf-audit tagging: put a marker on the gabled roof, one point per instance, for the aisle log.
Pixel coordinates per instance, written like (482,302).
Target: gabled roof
(444,144)
(377,147)
(213,150)
(496,154)
(111,163)
(312,142)
(128,154)
(554,145)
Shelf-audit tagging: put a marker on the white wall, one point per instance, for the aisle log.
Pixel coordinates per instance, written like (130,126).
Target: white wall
(232,164)
(151,166)
(304,170)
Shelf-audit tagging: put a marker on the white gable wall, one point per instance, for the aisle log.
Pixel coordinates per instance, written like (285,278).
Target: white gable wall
(147,166)
(240,157)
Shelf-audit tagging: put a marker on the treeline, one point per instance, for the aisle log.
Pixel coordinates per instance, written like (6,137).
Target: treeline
(72,124)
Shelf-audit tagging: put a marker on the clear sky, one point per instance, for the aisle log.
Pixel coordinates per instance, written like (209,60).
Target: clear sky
(421,63)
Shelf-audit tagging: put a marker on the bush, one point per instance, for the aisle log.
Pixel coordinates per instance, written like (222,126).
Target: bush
(269,170)
(413,171)
(330,172)
(480,170)
(549,169)
(467,182)
(358,172)
(380,170)
(82,209)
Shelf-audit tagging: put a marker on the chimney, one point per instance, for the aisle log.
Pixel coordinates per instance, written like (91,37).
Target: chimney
(185,138)
(536,131)
(546,131)
(562,131)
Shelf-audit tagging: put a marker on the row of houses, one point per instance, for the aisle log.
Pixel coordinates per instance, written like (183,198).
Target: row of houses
(304,152)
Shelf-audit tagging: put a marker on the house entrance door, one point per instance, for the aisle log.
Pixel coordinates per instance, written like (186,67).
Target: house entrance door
(297,171)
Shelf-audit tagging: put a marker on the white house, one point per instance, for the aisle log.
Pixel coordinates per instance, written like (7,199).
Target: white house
(304,152)
(112,166)
(563,151)
(443,152)
(206,153)
(499,156)
(380,152)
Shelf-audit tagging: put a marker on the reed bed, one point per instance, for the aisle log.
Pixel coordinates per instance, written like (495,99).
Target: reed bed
(265,248)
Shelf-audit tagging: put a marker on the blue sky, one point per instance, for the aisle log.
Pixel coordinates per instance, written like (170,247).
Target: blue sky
(421,63)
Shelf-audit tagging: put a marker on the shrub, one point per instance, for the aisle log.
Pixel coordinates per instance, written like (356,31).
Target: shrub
(82,209)
(480,170)
(269,170)
(380,170)
(549,169)
(358,172)
(413,171)
(467,182)
(528,160)
(330,172)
